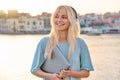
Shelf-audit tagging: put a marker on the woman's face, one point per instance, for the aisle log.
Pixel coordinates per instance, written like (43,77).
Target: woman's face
(61,21)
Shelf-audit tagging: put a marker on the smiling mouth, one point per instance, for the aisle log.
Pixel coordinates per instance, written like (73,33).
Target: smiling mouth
(59,25)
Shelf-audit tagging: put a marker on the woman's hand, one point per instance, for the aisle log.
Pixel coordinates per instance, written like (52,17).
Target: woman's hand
(55,77)
(64,73)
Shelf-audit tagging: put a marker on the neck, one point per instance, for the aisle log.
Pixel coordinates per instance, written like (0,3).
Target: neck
(63,36)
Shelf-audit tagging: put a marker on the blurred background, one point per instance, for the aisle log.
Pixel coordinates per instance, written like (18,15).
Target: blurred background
(24,22)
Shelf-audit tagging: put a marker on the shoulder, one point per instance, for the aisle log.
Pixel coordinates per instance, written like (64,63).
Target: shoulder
(80,41)
(44,40)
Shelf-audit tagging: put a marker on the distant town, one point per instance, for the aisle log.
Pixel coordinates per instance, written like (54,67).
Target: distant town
(23,23)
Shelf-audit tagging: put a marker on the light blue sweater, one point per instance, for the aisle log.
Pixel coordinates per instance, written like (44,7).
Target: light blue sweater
(80,60)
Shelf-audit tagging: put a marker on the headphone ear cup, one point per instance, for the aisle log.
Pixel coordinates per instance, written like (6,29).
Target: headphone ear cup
(75,22)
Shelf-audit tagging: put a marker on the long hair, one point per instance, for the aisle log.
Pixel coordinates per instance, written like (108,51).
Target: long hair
(73,32)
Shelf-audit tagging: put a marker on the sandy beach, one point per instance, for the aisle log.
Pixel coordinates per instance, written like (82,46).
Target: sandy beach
(104,51)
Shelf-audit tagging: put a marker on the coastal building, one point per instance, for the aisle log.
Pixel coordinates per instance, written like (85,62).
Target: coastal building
(24,23)
(46,19)
(12,24)
(4,26)
(21,24)
(34,24)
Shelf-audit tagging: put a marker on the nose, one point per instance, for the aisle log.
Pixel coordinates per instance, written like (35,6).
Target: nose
(59,19)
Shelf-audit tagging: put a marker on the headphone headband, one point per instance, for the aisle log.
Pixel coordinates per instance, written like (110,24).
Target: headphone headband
(74,12)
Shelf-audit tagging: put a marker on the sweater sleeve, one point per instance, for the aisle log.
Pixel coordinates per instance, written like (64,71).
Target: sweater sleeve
(39,55)
(85,59)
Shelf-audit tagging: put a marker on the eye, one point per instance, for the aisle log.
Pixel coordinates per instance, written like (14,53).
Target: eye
(64,17)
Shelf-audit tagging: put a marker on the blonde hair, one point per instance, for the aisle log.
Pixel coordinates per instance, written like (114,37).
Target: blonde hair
(73,32)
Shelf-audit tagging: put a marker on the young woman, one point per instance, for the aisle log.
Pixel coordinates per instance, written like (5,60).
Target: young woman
(64,34)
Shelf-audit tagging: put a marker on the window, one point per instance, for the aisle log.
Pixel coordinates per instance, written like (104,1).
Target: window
(34,23)
(28,23)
